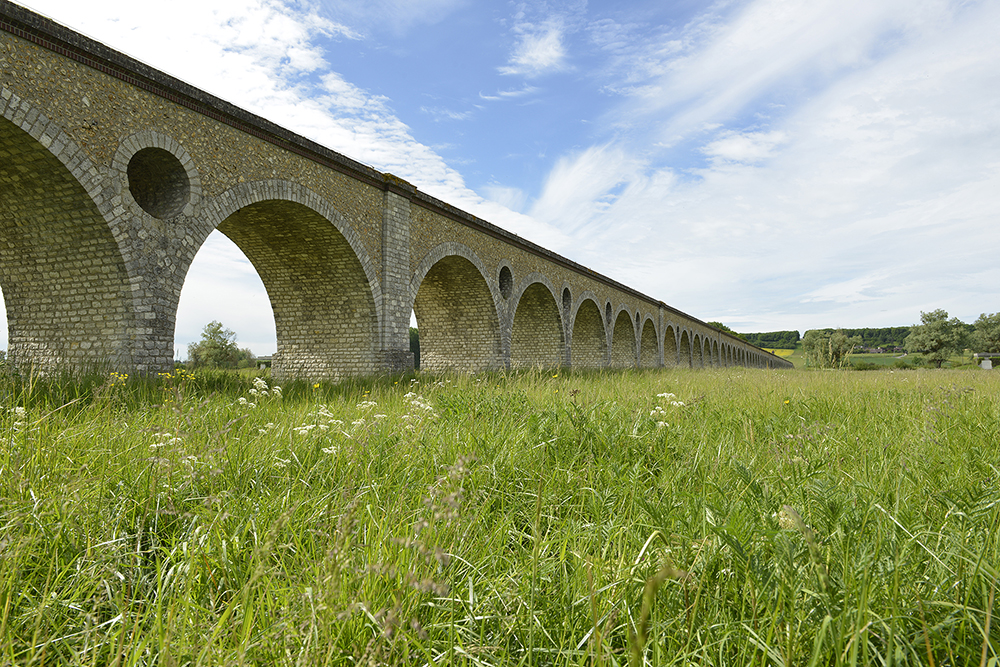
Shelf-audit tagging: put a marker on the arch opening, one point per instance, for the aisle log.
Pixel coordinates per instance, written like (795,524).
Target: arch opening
(669,347)
(536,337)
(325,320)
(623,351)
(649,350)
(506,282)
(590,341)
(66,289)
(684,356)
(223,285)
(158,182)
(457,318)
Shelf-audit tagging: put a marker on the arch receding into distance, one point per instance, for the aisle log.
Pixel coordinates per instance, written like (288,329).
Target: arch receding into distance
(590,338)
(536,337)
(324,310)
(623,352)
(649,349)
(456,312)
(684,352)
(64,279)
(669,346)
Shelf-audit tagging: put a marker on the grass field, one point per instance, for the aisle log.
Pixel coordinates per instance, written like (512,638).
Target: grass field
(717,517)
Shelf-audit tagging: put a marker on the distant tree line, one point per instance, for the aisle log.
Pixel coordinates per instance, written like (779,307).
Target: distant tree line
(934,341)
(884,337)
(781,340)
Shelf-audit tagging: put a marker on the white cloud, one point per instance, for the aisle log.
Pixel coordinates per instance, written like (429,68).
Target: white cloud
(539,50)
(873,198)
(264,58)
(746,147)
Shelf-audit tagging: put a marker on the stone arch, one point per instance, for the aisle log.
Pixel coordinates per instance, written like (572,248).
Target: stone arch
(716,361)
(319,279)
(649,346)
(158,176)
(65,279)
(536,334)
(670,346)
(456,310)
(697,351)
(589,340)
(684,351)
(623,343)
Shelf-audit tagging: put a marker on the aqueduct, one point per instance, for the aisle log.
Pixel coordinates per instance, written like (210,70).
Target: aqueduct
(112,175)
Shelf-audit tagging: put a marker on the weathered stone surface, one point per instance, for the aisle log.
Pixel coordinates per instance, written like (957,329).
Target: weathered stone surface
(113,174)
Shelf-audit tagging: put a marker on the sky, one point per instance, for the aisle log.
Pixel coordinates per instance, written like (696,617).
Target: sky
(769,164)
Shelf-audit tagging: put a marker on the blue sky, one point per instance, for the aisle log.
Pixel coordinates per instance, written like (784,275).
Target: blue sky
(771,164)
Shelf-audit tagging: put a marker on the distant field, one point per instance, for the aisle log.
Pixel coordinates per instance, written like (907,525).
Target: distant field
(714,517)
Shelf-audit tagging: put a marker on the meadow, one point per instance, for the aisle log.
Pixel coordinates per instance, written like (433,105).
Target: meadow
(673,517)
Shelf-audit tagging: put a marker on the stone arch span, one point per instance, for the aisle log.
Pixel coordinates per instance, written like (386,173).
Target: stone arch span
(589,341)
(536,335)
(684,359)
(65,280)
(456,309)
(649,348)
(320,282)
(623,343)
(669,346)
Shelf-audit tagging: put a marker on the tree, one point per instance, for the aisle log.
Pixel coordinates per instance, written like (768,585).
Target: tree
(986,337)
(722,327)
(936,337)
(826,348)
(216,349)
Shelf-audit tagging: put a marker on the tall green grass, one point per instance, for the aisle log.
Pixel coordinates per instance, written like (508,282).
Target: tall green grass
(766,518)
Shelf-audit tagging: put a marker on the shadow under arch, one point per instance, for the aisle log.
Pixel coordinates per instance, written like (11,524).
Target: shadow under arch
(68,297)
(623,350)
(536,336)
(669,346)
(456,311)
(590,338)
(320,284)
(684,350)
(649,347)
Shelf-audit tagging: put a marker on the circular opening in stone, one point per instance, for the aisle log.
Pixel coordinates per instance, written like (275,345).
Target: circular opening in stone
(607,311)
(158,182)
(506,282)
(637,319)
(567,299)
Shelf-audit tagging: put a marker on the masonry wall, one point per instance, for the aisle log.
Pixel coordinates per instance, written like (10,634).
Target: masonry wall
(114,175)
